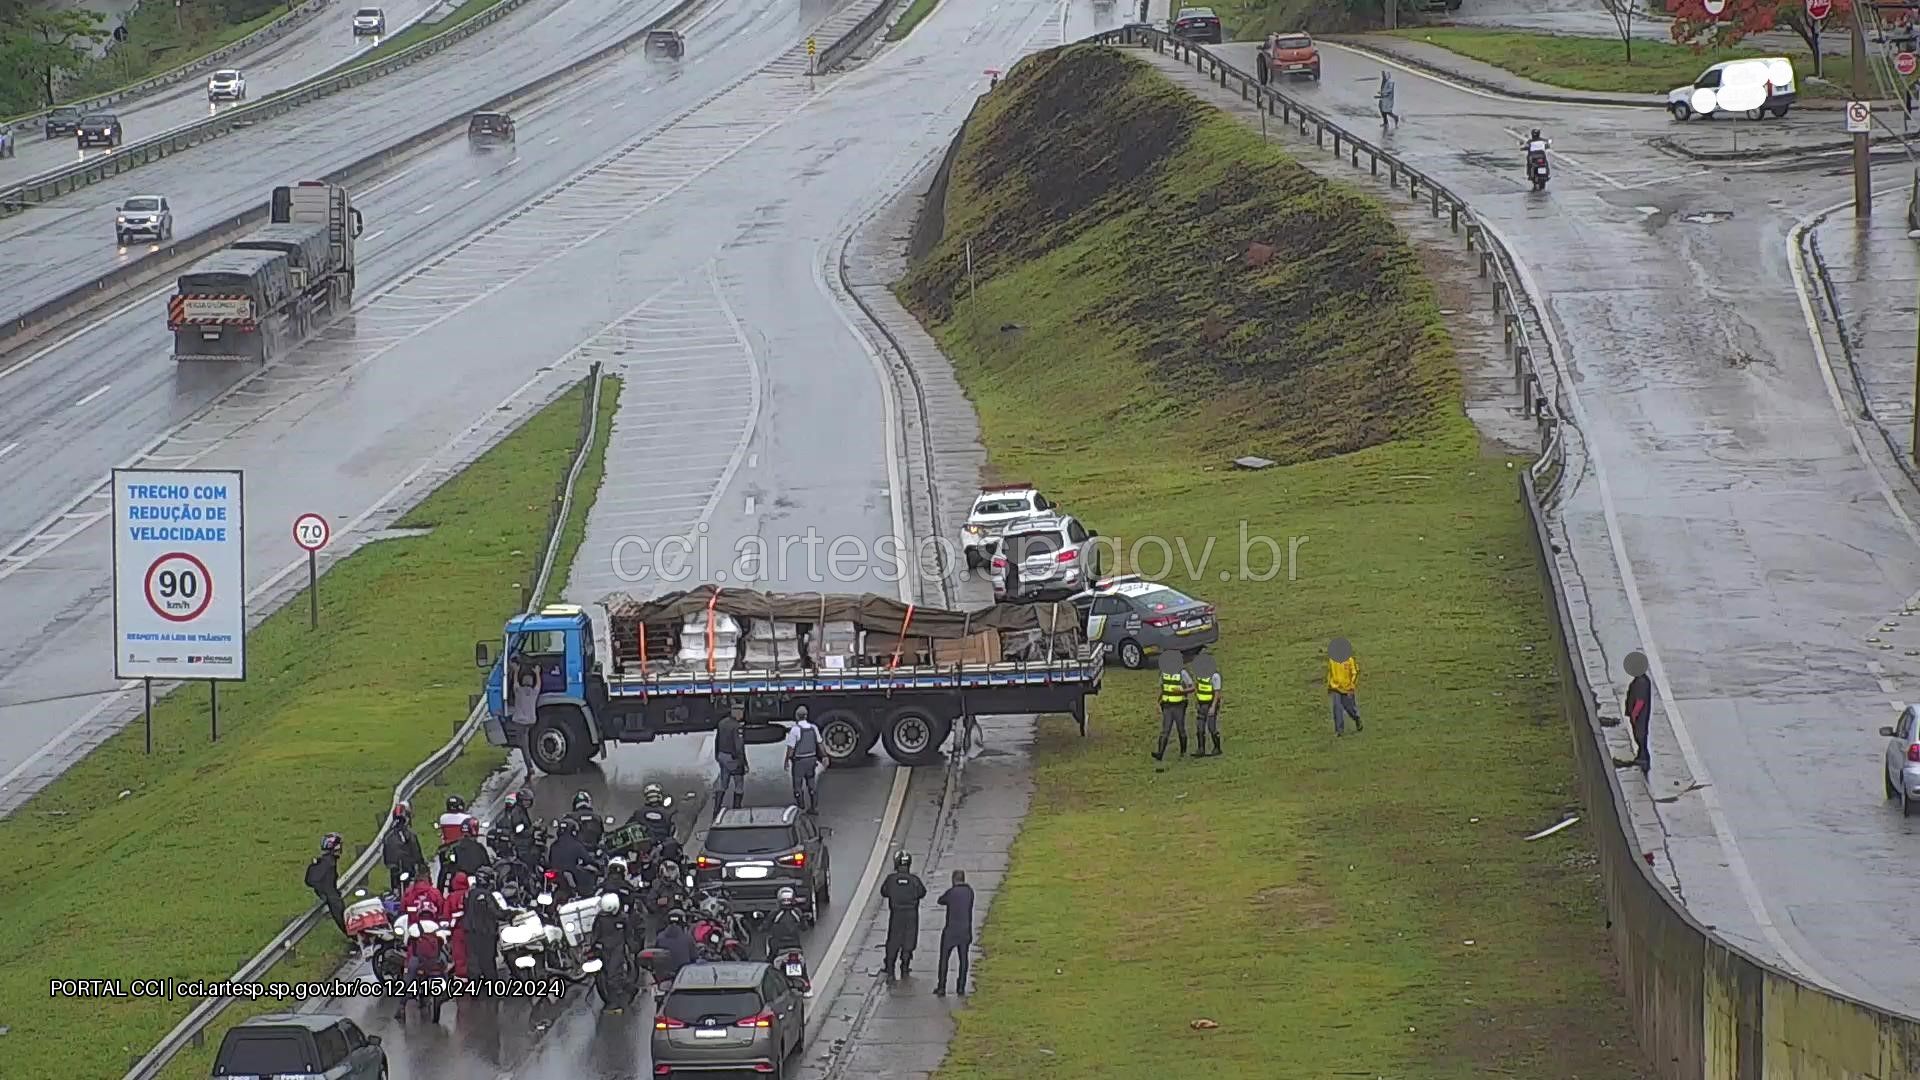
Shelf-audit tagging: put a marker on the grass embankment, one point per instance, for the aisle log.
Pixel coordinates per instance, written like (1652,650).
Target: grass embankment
(1253,20)
(1353,907)
(184,863)
(1600,64)
(910,18)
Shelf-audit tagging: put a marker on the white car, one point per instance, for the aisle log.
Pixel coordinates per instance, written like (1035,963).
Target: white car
(1056,556)
(369,20)
(226,85)
(1734,87)
(996,507)
(1901,770)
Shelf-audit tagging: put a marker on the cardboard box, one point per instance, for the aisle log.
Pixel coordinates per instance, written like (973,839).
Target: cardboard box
(980,648)
(879,648)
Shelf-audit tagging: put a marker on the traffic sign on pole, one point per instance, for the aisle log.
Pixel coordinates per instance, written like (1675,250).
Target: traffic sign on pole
(1715,7)
(1905,62)
(179,574)
(1819,9)
(311,532)
(1859,118)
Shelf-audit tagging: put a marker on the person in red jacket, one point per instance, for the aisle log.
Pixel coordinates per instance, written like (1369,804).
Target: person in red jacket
(422,898)
(456,902)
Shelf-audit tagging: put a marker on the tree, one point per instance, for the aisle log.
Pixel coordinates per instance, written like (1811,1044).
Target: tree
(43,43)
(1623,12)
(1692,25)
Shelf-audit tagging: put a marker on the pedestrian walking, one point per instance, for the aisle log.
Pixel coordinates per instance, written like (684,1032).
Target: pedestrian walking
(903,891)
(323,877)
(1343,682)
(1385,97)
(1640,708)
(1206,704)
(730,755)
(1175,685)
(957,935)
(804,760)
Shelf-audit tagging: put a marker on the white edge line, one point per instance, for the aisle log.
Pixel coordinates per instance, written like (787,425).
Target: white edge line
(852,916)
(1709,798)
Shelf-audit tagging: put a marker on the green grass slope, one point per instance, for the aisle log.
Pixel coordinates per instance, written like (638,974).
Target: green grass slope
(1353,907)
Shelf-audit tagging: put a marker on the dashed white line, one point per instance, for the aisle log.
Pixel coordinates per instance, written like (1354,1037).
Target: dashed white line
(514,160)
(374,235)
(753,460)
(423,209)
(588,121)
(470,183)
(9,448)
(550,142)
(749,504)
(90,397)
(370,188)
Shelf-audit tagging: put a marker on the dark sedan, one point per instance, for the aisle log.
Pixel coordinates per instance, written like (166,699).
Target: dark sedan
(1198,24)
(62,120)
(99,129)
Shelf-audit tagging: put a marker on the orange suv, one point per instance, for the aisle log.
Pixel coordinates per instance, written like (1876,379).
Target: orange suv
(1291,55)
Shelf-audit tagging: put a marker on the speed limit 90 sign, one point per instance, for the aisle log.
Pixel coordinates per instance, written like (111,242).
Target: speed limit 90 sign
(311,532)
(178,587)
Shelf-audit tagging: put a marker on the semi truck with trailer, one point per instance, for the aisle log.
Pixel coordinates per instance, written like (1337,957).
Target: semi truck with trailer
(869,670)
(273,284)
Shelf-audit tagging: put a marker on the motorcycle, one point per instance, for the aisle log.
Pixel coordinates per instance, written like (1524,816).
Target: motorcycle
(794,966)
(527,941)
(378,927)
(650,961)
(719,934)
(1537,169)
(574,960)
(428,993)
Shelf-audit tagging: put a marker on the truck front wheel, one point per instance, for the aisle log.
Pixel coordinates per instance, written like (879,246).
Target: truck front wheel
(844,735)
(913,736)
(560,744)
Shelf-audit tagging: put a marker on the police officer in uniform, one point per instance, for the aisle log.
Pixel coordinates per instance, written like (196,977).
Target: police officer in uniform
(803,759)
(592,828)
(1175,685)
(1206,704)
(481,917)
(654,814)
(903,891)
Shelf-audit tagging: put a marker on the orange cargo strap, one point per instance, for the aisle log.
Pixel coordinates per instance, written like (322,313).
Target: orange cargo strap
(901,641)
(642,635)
(711,601)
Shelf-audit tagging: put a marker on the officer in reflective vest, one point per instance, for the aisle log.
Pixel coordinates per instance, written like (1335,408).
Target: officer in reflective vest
(1175,685)
(1206,702)
(803,758)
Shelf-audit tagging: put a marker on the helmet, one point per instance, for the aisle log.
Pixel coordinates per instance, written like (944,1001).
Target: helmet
(903,861)
(566,826)
(401,811)
(617,863)
(1536,133)
(654,796)
(609,903)
(526,798)
(670,870)
(787,899)
(483,879)
(677,917)
(331,842)
(456,805)
(582,801)
(513,799)
(470,827)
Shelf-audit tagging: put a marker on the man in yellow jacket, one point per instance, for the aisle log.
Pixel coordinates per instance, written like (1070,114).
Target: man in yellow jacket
(1343,681)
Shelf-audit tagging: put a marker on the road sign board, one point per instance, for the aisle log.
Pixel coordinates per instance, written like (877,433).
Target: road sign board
(1715,7)
(1819,9)
(1905,62)
(1859,117)
(811,47)
(311,532)
(179,574)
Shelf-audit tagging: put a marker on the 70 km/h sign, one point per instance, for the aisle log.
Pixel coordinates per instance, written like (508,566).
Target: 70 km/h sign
(311,532)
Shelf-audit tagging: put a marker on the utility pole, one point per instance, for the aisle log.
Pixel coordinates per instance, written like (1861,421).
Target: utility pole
(1393,13)
(1862,167)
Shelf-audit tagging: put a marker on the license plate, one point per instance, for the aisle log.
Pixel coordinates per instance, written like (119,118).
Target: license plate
(1193,624)
(795,969)
(749,871)
(709,1033)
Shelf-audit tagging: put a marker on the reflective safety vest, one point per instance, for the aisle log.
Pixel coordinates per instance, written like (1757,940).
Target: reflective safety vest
(1203,690)
(1171,692)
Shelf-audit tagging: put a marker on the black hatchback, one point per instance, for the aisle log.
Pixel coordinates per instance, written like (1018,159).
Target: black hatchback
(749,855)
(98,129)
(490,129)
(62,120)
(300,1044)
(1198,24)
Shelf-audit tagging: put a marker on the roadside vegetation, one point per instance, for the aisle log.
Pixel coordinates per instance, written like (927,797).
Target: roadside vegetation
(910,18)
(185,863)
(1356,907)
(414,35)
(1252,20)
(1600,64)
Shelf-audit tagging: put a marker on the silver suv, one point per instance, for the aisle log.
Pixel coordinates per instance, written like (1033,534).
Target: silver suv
(730,1015)
(369,20)
(996,507)
(1050,555)
(143,217)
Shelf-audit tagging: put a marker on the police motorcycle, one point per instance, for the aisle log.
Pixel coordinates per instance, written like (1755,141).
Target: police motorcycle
(609,957)
(718,933)
(377,925)
(792,963)
(529,944)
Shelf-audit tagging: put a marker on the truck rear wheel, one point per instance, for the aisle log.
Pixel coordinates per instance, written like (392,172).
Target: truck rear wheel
(913,736)
(560,744)
(844,735)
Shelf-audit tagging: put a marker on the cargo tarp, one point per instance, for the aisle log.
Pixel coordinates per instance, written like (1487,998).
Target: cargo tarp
(308,245)
(262,274)
(871,612)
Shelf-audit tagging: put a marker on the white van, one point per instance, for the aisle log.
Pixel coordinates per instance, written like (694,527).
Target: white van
(1754,87)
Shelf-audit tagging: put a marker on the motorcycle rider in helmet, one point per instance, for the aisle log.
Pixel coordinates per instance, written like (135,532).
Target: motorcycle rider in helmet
(467,855)
(616,981)
(323,877)
(666,893)
(569,858)
(676,941)
(401,850)
(482,921)
(451,822)
(903,891)
(655,813)
(785,926)
(592,828)
(516,821)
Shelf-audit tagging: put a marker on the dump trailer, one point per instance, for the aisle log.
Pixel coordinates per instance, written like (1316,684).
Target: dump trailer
(274,284)
(869,670)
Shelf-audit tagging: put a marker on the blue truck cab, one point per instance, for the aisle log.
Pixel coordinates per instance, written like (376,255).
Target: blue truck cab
(557,643)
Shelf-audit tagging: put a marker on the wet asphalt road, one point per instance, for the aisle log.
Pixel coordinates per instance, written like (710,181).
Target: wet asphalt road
(1758,545)
(59,246)
(321,43)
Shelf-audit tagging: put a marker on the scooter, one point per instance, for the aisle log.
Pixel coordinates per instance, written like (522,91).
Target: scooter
(794,966)
(1537,169)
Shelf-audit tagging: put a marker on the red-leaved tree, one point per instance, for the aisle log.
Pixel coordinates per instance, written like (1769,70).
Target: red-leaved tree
(1692,25)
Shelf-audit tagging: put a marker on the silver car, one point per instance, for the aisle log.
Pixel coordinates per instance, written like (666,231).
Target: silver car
(369,20)
(1901,770)
(1051,555)
(728,1017)
(143,217)
(226,85)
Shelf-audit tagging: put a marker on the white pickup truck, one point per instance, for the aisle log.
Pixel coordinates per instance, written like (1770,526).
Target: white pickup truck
(996,507)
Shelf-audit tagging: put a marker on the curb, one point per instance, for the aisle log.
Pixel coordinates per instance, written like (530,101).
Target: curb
(1568,98)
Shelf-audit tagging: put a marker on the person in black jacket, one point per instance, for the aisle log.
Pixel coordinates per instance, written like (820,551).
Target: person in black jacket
(481,918)
(957,935)
(323,877)
(592,828)
(570,858)
(401,852)
(466,855)
(903,892)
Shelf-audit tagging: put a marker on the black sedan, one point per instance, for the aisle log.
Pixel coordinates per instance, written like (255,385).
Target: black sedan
(62,120)
(1198,24)
(99,129)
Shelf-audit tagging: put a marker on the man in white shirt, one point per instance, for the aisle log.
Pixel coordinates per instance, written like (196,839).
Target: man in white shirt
(804,759)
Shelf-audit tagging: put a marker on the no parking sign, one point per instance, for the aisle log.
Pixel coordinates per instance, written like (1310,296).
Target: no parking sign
(1859,117)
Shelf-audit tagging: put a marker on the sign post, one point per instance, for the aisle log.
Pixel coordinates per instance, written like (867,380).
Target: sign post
(311,532)
(179,577)
(1860,124)
(813,58)
(1817,12)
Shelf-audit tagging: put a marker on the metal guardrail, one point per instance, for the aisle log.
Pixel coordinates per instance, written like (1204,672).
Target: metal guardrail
(189,1031)
(130,275)
(278,27)
(836,54)
(1535,376)
(51,185)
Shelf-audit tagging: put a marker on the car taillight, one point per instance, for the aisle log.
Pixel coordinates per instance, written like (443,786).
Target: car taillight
(758,1020)
(701,862)
(667,1023)
(663,1070)
(999,562)
(1161,620)
(1913,752)
(1066,556)
(798,858)
(553,875)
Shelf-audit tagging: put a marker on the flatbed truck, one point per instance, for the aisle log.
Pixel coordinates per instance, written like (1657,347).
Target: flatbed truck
(593,694)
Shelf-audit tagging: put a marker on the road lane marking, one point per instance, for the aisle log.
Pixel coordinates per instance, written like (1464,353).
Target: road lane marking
(850,918)
(749,504)
(1879,673)
(753,460)
(512,161)
(470,183)
(1709,797)
(9,448)
(374,235)
(550,142)
(423,209)
(91,397)
(371,188)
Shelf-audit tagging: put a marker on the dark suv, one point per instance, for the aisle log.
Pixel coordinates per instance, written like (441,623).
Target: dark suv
(62,120)
(1197,24)
(749,855)
(98,129)
(300,1044)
